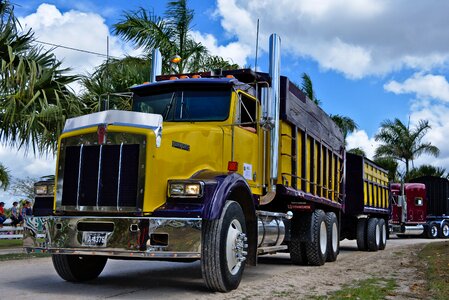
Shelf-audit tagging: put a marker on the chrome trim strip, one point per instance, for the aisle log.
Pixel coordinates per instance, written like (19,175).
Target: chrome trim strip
(119,175)
(100,158)
(115,117)
(62,236)
(79,176)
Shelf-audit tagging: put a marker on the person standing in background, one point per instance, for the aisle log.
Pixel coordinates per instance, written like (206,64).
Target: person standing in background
(16,218)
(2,213)
(26,209)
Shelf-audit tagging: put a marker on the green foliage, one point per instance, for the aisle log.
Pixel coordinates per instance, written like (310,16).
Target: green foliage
(436,256)
(427,170)
(116,75)
(372,289)
(402,143)
(391,165)
(34,98)
(171,34)
(357,151)
(346,124)
(5,177)
(307,88)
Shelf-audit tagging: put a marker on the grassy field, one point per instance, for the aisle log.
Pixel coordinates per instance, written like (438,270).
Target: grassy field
(14,243)
(370,289)
(437,274)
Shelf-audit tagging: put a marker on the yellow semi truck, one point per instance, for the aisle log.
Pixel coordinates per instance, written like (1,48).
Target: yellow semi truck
(218,167)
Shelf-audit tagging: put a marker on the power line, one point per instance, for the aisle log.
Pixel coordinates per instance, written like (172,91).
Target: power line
(77,49)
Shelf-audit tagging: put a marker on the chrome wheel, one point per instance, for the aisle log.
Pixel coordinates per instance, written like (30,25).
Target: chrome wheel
(323,238)
(235,247)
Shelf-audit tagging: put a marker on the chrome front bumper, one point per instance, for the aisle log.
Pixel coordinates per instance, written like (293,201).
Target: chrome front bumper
(138,237)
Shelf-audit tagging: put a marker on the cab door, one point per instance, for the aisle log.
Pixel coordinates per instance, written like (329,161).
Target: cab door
(246,135)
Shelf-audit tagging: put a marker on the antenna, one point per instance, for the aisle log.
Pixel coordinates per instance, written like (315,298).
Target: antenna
(257,46)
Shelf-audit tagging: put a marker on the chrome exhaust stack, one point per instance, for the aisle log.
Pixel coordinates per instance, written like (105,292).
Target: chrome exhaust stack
(274,106)
(156,64)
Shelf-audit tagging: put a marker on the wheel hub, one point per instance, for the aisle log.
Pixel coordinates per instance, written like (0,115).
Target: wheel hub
(235,247)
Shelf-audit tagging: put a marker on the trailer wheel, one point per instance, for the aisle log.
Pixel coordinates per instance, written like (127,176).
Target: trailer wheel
(361,234)
(223,252)
(297,247)
(373,234)
(316,249)
(333,239)
(432,230)
(383,234)
(445,230)
(78,268)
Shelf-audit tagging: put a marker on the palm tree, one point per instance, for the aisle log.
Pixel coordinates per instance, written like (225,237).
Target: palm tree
(169,33)
(5,178)
(346,124)
(427,170)
(113,77)
(34,98)
(307,88)
(402,143)
(391,166)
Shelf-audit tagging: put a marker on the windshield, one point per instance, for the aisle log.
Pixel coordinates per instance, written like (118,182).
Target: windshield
(186,104)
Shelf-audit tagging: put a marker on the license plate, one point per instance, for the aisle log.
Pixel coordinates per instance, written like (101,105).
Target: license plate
(94,239)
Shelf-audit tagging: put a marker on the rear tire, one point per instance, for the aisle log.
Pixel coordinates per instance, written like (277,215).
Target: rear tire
(361,234)
(297,246)
(333,238)
(444,232)
(223,250)
(316,249)
(432,230)
(76,268)
(373,234)
(383,234)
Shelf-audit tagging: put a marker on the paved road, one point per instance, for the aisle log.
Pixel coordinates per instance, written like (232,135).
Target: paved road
(36,278)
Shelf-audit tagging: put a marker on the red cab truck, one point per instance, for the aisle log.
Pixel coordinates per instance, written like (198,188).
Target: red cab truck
(421,208)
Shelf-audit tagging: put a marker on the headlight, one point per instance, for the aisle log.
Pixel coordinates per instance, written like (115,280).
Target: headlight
(185,189)
(40,190)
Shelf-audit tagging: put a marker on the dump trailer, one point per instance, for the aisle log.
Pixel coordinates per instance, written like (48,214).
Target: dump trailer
(219,167)
(366,208)
(421,208)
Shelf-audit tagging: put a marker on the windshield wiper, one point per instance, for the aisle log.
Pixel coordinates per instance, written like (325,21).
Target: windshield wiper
(169,106)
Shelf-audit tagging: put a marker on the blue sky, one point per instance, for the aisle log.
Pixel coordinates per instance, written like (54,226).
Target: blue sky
(369,60)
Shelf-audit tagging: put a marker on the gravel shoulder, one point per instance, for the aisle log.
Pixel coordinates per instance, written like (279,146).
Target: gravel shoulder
(274,278)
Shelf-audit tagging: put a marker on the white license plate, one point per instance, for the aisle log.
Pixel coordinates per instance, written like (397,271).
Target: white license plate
(94,239)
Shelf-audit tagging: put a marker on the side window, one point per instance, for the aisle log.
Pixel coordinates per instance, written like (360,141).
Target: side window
(418,201)
(248,112)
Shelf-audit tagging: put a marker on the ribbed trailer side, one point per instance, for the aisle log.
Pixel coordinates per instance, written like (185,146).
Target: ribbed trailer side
(437,192)
(311,156)
(366,187)
(366,206)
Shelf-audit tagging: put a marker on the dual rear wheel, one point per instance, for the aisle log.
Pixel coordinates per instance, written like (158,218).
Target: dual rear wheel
(315,238)
(371,234)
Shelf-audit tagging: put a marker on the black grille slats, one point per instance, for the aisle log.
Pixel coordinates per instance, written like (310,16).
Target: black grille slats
(101,176)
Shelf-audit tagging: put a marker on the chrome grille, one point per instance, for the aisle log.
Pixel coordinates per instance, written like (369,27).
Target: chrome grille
(101,176)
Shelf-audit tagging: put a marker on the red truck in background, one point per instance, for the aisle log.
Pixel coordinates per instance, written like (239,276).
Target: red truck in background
(421,208)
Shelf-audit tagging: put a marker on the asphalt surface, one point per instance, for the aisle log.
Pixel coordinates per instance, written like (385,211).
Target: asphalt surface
(36,278)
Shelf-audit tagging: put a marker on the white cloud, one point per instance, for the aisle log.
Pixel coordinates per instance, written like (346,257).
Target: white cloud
(424,86)
(360,139)
(357,38)
(234,52)
(75,29)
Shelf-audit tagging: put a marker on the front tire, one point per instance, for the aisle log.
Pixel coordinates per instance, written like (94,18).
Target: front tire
(77,268)
(223,252)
